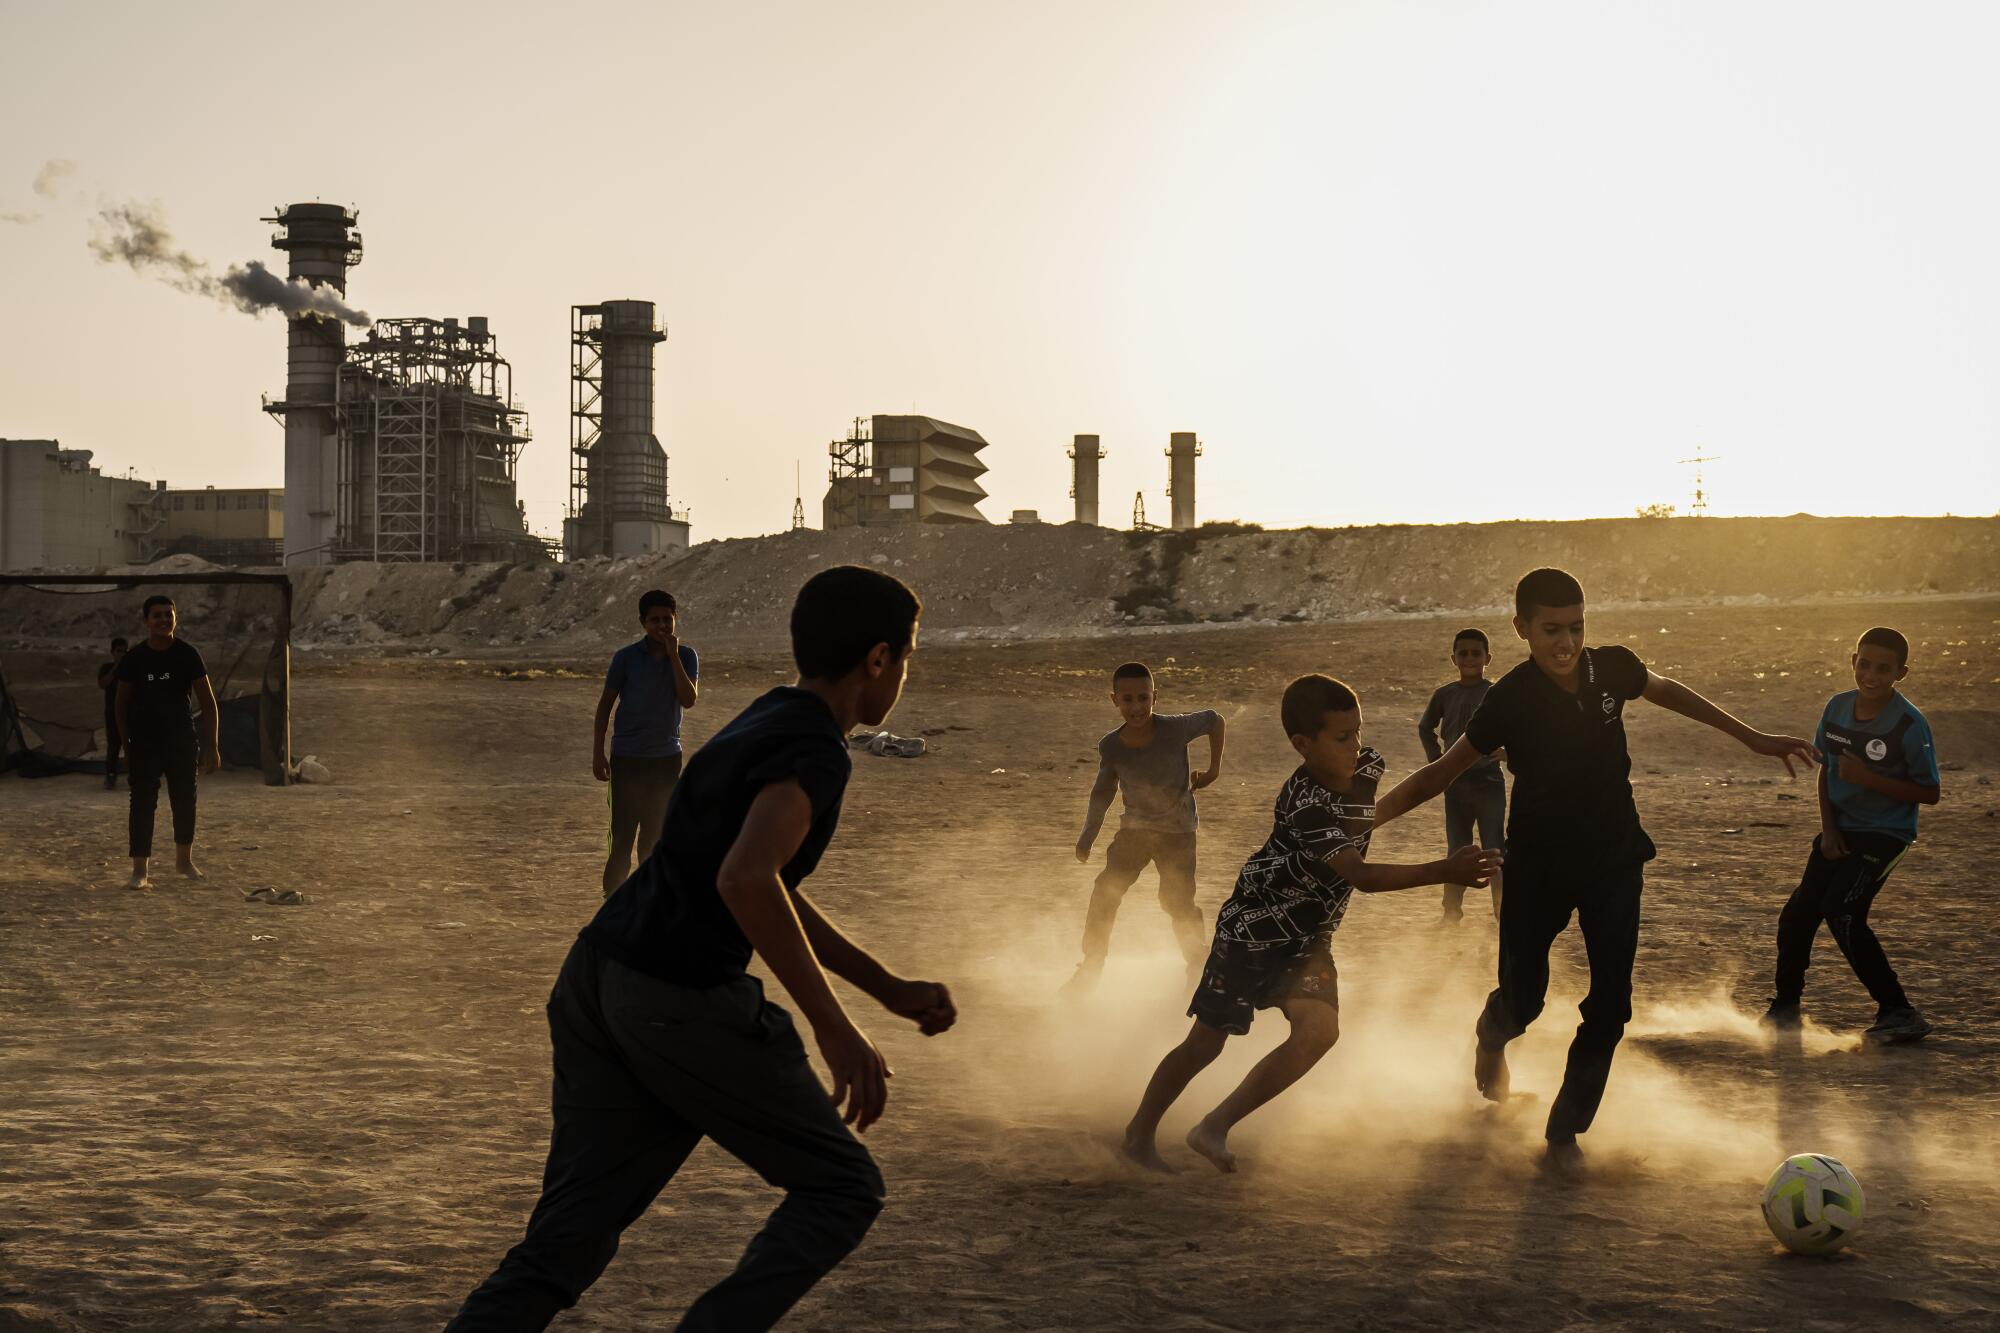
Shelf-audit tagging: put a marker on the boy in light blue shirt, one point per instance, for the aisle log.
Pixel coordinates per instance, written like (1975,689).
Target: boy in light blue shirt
(650,683)
(1879,765)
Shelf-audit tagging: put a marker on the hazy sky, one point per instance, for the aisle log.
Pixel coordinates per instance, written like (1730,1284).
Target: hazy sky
(1394,262)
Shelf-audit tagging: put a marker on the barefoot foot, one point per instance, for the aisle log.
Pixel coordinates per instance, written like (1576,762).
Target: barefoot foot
(1145,1153)
(1214,1145)
(1563,1158)
(1489,1071)
(138,881)
(189,869)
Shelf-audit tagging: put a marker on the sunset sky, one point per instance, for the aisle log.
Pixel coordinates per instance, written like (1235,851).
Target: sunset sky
(1394,262)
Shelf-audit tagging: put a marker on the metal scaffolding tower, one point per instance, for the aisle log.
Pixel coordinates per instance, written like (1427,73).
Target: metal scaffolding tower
(850,466)
(429,437)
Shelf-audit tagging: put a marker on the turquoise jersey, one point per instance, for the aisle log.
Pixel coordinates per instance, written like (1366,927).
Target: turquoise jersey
(1896,743)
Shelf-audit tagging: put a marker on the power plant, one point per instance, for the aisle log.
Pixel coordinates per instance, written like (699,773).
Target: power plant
(904,469)
(403,446)
(1086,453)
(618,503)
(1182,449)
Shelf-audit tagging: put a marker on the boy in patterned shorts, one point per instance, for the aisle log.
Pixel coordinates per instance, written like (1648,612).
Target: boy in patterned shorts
(1273,938)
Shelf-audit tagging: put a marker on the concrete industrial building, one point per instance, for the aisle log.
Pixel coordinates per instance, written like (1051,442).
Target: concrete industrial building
(618,502)
(1086,453)
(1182,449)
(229,526)
(904,469)
(404,446)
(57,511)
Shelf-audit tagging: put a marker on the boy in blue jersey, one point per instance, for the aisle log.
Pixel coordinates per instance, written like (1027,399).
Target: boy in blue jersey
(1880,765)
(661,1036)
(1273,944)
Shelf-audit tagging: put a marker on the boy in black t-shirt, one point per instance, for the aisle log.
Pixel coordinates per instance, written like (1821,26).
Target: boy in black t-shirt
(1574,842)
(107,680)
(1273,938)
(155,681)
(662,1038)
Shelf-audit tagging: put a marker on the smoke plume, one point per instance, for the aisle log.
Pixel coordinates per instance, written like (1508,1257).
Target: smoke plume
(136,236)
(47,184)
(48,180)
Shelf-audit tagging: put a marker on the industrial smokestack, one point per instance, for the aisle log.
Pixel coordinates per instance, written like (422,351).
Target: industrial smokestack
(1083,477)
(622,508)
(136,236)
(1182,450)
(321,243)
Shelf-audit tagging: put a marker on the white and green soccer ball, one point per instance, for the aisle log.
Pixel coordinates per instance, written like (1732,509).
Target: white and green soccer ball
(1813,1204)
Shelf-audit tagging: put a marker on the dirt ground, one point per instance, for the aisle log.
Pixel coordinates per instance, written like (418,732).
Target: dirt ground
(215,1113)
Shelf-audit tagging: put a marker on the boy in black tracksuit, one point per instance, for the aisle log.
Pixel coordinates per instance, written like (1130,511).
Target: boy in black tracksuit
(662,1038)
(1574,843)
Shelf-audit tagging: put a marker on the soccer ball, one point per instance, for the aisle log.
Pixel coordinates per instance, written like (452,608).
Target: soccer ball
(1813,1204)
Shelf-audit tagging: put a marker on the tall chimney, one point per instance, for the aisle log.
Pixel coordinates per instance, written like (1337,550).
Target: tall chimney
(1182,450)
(321,243)
(623,507)
(1083,477)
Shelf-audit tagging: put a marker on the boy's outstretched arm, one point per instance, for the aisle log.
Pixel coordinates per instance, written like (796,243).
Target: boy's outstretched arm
(1424,784)
(1675,697)
(1101,792)
(778,821)
(1471,867)
(1214,770)
(925,1003)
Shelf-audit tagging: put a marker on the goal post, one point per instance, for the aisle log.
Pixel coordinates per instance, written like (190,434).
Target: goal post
(274,691)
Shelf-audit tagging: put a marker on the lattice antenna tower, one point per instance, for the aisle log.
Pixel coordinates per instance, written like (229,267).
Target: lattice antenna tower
(1700,507)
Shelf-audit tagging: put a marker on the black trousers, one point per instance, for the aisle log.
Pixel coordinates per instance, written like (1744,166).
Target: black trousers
(174,756)
(640,789)
(113,742)
(1543,892)
(1130,852)
(644,1070)
(1840,894)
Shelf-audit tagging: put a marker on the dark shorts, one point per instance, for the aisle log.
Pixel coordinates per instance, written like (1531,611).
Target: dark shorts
(1237,982)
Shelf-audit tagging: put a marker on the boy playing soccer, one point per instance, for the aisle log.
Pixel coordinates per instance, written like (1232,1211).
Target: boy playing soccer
(1273,937)
(1878,767)
(1146,758)
(1479,797)
(1574,843)
(662,1038)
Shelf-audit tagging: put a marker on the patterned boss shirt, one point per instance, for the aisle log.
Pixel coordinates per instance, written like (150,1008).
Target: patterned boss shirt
(1288,895)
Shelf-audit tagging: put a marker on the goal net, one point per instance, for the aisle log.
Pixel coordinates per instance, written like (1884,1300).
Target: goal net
(55,639)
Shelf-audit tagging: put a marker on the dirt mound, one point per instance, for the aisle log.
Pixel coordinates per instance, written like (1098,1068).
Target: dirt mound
(1047,581)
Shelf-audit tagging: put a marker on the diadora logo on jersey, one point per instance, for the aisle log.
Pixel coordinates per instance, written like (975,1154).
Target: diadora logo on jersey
(1878,748)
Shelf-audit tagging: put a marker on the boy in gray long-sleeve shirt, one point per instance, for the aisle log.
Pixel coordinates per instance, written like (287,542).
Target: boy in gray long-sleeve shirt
(1147,759)
(1480,796)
